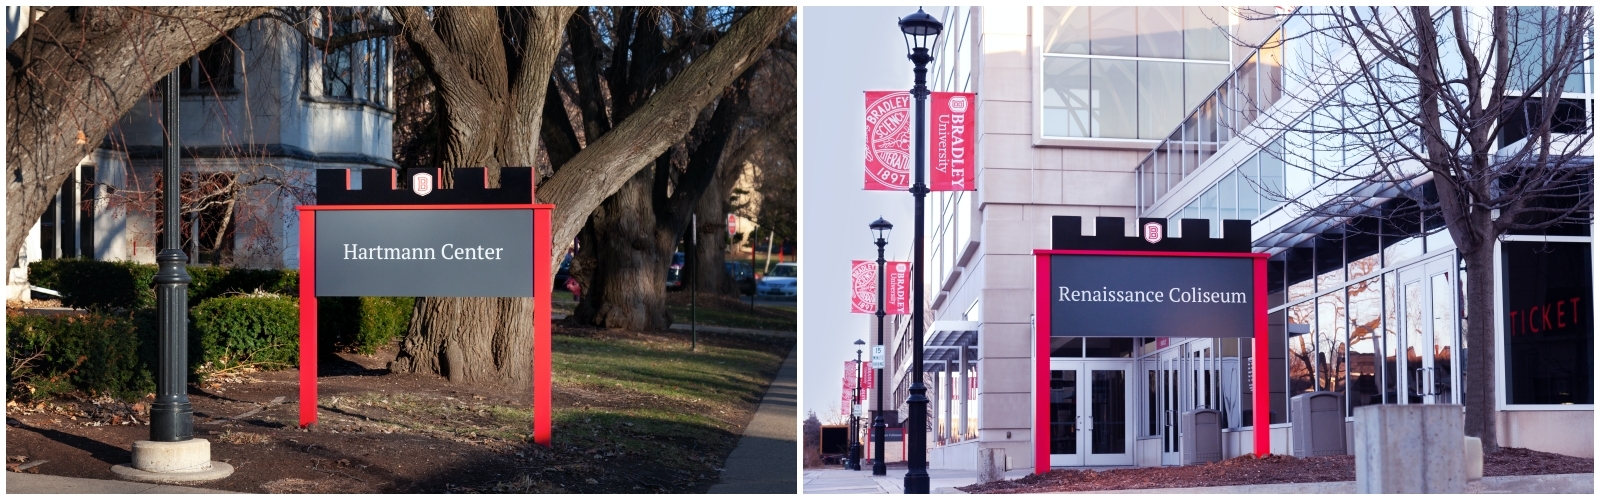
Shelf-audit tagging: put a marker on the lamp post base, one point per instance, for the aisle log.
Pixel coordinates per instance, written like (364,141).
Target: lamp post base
(174,462)
(917,482)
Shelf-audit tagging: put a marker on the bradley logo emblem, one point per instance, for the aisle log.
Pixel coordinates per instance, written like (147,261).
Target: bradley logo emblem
(1152,232)
(422,183)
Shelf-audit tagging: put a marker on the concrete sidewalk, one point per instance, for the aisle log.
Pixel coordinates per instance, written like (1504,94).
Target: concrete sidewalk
(862,481)
(767,456)
(23,483)
(1543,484)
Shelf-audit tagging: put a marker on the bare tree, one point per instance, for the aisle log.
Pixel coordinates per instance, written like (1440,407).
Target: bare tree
(72,74)
(492,72)
(626,246)
(1455,109)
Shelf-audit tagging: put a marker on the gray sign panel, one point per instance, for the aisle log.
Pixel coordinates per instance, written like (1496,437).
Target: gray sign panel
(424,253)
(1128,296)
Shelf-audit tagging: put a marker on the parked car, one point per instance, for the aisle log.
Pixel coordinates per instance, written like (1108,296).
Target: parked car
(675,272)
(742,275)
(783,281)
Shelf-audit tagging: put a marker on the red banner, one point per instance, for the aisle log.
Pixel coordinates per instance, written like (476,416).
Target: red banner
(888,140)
(847,397)
(952,140)
(867,380)
(863,286)
(897,288)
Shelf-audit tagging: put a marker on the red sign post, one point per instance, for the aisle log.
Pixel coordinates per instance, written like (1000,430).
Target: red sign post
(733,225)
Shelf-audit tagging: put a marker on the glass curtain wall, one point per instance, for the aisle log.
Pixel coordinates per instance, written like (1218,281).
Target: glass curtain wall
(1128,72)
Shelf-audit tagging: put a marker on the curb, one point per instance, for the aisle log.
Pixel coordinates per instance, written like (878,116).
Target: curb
(1540,484)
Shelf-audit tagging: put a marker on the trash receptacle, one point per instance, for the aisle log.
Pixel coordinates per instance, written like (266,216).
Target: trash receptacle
(1316,424)
(1202,436)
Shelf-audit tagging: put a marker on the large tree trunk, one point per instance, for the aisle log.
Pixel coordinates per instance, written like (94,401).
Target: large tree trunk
(492,99)
(470,340)
(73,74)
(710,253)
(629,290)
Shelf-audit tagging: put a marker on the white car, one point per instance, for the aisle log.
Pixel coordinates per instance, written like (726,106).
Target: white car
(783,281)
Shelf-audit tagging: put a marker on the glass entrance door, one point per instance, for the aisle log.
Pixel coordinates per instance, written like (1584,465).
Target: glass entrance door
(1188,376)
(1089,411)
(1428,332)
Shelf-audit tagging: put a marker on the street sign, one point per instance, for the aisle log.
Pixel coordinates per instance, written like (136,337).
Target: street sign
(855,410)
(877,357)
(733,224)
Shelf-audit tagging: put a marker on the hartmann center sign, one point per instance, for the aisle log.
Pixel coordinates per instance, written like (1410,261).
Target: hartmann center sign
(1151,296)
(425,253)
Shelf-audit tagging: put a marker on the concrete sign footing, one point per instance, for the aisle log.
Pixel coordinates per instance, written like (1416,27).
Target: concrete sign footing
(178,462)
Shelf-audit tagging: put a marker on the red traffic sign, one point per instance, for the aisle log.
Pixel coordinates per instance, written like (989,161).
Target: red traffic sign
(733,224)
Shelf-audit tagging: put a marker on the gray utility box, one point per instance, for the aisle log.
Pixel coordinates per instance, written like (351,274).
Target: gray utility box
(1201,429)
(1317,424)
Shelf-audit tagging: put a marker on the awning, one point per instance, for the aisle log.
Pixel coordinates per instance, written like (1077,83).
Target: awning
(944,341)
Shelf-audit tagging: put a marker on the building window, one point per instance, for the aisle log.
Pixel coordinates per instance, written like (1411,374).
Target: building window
(375,64)
(337,77)
(1128,72)
(210,70)
(1549,331)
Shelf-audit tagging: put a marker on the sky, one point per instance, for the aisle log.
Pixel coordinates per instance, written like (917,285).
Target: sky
(844,52)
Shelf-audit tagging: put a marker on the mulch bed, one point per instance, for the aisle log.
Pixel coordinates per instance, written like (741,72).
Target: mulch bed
(1272,469)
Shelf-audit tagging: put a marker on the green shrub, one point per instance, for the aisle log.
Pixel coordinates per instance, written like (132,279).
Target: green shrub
(92,284)
(361,324)
(246,331)
(97,353)
(209,282)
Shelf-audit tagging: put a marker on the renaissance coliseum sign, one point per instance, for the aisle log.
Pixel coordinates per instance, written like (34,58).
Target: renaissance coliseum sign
(1151,296)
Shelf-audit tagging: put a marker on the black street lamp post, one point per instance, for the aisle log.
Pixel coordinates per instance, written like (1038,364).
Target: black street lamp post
(855,426)
(171,416)
(920,30)
(880,230)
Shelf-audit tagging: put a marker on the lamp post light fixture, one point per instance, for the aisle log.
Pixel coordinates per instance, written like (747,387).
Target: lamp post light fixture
(880,232)
(855,425)
(921,33)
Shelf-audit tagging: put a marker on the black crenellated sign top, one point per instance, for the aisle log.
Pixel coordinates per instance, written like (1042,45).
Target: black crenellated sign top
(1066,233)
(380,186)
